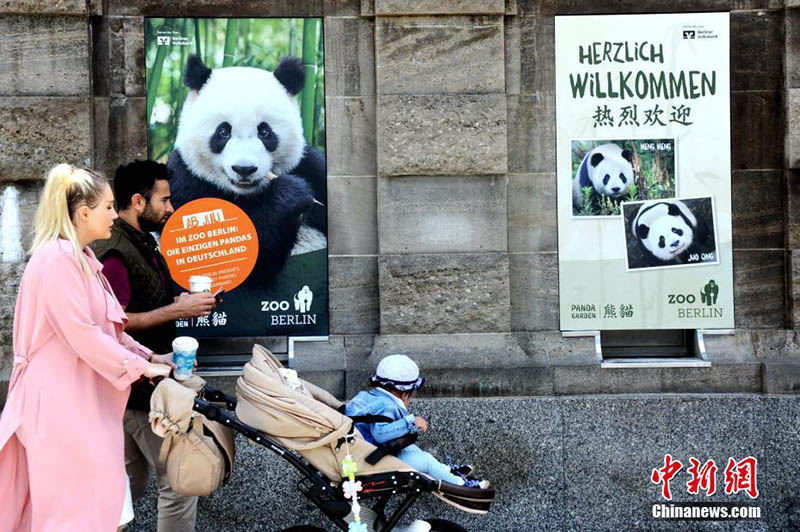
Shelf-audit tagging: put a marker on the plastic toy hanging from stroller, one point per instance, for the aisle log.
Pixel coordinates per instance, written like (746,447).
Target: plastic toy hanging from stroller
(287,415)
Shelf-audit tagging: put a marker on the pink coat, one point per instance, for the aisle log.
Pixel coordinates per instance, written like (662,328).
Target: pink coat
(61,441)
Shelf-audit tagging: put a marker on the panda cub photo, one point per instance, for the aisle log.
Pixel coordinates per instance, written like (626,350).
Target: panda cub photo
(240,138)
(672,232)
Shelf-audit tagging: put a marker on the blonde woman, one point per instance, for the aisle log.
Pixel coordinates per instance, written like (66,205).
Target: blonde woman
(61,442)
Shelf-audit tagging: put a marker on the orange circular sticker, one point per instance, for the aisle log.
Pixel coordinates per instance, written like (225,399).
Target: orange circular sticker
(210,237)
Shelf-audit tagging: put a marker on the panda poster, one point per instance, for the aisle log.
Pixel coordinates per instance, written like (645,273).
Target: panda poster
(236,110)
(643,172)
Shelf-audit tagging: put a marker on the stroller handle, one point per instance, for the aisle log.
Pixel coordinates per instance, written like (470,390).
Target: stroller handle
(213,395)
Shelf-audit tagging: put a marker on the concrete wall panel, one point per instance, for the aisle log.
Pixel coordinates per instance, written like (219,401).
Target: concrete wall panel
(444,293)
(120,132)
(532,213)
(531,133)
(534,291)
(352,218)
(442,214)
(353,294)
(439,7)
(757,199)
(349,57)
(44,56)
(435,55)
(350,136)
(217,8)
(38,132)
(759,288)
(40,7)
(442,135)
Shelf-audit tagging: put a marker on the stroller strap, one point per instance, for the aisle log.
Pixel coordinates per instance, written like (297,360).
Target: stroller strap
(391,447)
(371,418)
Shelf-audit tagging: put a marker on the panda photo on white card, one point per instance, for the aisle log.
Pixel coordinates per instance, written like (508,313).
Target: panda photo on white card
(606,173)
(670,233)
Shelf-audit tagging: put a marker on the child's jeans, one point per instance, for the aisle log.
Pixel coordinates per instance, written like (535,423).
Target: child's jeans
(424,462)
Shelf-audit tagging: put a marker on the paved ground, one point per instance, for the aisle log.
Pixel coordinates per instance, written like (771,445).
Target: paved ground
(262,496)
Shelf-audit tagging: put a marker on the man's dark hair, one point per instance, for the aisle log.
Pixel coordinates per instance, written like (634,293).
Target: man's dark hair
(138,177)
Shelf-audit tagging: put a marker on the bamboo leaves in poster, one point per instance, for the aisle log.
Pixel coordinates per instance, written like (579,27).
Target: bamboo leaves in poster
(231,37)
(307,97)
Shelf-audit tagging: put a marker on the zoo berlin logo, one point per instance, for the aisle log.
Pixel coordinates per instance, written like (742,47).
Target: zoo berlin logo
(710,293)
(302,304)
(708,302)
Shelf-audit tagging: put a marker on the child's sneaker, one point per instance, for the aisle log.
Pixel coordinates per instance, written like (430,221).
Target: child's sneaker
(475,483)
(462,470)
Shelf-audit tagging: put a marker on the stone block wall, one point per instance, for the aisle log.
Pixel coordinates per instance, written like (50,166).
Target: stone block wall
(441,162)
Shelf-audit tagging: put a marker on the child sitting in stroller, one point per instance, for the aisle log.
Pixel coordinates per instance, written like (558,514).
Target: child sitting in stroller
(393,386)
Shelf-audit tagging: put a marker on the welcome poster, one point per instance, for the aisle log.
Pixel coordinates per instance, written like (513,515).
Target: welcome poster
(236,109)
(643,171)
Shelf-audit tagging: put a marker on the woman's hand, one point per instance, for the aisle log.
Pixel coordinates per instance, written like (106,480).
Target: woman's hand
(163,359)
(157,370)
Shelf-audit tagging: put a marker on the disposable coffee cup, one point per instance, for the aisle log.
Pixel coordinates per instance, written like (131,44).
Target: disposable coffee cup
(184,353)
(200,283)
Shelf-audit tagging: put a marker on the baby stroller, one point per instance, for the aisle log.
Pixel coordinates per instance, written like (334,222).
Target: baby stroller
(304,424)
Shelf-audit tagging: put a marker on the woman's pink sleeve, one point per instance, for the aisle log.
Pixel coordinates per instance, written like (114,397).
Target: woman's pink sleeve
(66,304)
(130,344)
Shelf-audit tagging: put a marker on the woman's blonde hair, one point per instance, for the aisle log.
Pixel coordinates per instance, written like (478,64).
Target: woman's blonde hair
(66,189)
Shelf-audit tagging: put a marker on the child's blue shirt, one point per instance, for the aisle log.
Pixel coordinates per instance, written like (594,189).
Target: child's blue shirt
(379,402)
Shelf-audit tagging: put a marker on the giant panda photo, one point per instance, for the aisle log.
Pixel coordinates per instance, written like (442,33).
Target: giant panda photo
(240,138)
(671,232)
(606,173)
(236,110)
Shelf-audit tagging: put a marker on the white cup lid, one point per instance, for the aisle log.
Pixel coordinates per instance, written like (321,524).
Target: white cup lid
(184,343)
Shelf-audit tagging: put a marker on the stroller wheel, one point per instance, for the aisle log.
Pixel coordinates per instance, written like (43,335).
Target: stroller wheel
(303,528)
(443,525)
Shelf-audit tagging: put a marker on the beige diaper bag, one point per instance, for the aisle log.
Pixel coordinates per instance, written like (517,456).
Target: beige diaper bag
(198,453)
